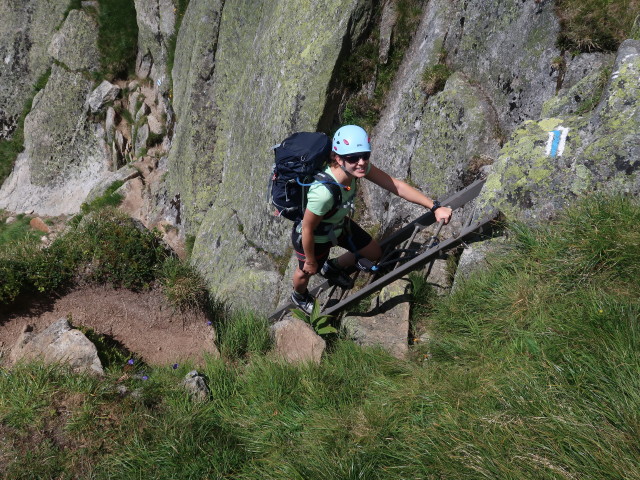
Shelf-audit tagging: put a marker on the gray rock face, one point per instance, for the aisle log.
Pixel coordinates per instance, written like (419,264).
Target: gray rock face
(75,44)
(65,155)
(582,83)
(195,173)
(387,325)
(196,385)
(26,29)
(239,88)
(503,54)
(110,125)
(395,137)
(156,23)
(507,47)
(548,163)
(582,66)
(58,343)
(142,136)
(387,22)
(104,93)
(296,342)
(455,131)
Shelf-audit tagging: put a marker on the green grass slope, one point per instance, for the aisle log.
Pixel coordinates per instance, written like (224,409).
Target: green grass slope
(534,372)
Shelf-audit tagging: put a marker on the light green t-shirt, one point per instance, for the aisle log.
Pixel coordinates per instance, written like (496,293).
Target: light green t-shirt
(320,202)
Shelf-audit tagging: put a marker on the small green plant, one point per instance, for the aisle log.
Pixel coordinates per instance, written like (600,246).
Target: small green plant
(434,78)
(110,351)
(156,138)
(182,285)
(109,199)
(25,267)
(124,113)
(362,110)
(320,323)
(558,63)
(592,102)
(118,251)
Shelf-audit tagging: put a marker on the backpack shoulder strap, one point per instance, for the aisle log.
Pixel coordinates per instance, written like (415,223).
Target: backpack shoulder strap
(334,188)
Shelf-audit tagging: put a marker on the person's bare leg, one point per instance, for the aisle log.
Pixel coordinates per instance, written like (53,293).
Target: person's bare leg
(300,281)
(372,252)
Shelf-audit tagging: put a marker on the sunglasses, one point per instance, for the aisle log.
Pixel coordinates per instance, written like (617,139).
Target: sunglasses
(356,157)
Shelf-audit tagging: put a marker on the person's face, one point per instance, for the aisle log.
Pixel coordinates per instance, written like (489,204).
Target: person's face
(356,163)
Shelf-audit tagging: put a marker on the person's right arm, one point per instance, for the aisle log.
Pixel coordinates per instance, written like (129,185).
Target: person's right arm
(309,223)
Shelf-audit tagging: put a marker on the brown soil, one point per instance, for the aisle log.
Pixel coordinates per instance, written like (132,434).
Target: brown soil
(142,322)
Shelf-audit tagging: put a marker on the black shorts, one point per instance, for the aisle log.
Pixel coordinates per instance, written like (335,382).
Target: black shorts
(353,238)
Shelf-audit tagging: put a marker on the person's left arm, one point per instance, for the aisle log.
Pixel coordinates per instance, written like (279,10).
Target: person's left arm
(406,191)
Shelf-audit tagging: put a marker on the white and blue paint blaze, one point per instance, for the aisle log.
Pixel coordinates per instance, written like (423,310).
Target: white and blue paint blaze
(556,142)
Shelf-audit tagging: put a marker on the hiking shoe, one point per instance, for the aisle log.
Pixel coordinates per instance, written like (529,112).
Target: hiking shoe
(304,301)
(336,275)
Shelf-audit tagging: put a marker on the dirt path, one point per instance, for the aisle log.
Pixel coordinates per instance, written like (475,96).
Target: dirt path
(143,323)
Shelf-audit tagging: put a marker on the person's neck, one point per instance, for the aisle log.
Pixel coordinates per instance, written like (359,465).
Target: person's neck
(341,176)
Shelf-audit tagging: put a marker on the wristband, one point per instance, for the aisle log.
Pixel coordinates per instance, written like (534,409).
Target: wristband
(436,205)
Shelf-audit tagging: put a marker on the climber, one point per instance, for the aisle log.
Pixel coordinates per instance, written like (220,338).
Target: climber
(349,161)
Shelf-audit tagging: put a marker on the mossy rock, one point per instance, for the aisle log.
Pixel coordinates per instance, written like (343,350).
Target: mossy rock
(76,43)
(26,30)
(244,79)
(601,152)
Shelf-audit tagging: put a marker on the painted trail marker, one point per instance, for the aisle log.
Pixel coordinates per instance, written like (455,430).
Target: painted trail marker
(556,142)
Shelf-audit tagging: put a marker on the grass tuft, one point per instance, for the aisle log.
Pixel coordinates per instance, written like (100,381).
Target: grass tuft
(117,38)
(434,78)
(596,25)
(18,231)
(182,285)
(109,199)
(242,335)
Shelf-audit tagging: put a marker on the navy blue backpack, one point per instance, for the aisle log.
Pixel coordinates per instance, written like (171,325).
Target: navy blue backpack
(299,160)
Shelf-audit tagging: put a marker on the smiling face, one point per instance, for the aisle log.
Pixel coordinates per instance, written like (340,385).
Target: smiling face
(354,164)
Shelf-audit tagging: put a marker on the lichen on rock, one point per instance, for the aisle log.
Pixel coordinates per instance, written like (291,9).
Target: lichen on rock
(65,153)
(601,152)
(268,77)
(507,47)
(457,125)
(75,44)
(26,29)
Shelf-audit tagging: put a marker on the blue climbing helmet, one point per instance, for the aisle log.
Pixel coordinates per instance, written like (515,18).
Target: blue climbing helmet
(351,139)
